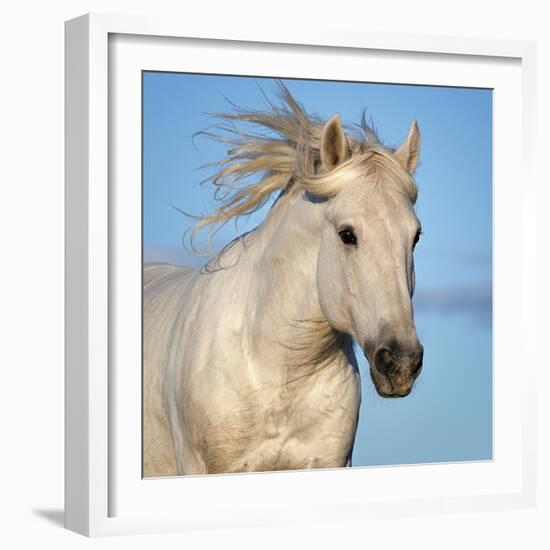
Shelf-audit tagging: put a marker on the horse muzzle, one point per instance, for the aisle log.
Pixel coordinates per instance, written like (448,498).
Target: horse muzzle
(395,367)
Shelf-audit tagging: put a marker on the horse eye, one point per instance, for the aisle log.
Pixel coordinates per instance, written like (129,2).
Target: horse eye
(348,236)
(416,238)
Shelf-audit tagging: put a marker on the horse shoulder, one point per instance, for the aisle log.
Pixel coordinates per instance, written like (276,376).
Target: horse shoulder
(163,295)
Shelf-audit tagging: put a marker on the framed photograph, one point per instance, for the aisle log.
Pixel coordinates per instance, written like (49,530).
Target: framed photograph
(293,289)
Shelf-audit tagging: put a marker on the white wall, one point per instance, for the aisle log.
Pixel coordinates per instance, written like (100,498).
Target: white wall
(31,233)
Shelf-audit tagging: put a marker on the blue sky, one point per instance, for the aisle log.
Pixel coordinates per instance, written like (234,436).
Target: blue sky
(448,417)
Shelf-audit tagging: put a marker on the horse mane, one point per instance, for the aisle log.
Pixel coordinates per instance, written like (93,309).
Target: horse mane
(280,148)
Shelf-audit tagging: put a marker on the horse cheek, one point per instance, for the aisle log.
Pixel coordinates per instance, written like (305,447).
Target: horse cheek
(331,287)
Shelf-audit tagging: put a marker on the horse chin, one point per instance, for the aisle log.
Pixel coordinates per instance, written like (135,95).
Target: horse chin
(386,388)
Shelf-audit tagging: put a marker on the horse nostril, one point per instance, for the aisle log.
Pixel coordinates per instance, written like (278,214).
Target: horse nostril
(383,360)
(417,366)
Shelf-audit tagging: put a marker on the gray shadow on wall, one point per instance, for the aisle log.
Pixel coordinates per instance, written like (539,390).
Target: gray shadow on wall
(55,516)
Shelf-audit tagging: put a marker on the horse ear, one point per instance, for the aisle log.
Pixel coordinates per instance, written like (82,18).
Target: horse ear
(334,145)
(408,153)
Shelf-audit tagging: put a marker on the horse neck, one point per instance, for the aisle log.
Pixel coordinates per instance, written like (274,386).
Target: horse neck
(285,304)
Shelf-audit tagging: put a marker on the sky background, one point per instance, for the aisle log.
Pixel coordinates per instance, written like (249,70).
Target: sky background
(448,417)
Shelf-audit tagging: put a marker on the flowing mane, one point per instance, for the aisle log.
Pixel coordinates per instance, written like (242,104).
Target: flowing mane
(281,149)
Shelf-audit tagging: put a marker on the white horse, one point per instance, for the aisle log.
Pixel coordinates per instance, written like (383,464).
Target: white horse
(248,362)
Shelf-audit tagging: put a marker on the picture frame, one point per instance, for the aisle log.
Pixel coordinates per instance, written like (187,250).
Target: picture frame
(99,499)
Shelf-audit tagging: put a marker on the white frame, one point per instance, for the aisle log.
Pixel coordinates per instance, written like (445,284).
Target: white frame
(87,246)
